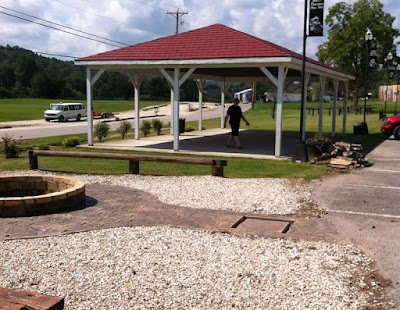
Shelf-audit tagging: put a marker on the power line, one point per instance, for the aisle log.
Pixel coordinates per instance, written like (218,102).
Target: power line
(198,19)
(50,22)
(177,15)
(66,56)
(75,34)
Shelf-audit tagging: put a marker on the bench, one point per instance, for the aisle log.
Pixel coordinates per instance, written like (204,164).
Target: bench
(134,159)
(312,110)
(23,300)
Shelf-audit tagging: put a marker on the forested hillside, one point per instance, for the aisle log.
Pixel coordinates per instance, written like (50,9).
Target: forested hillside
(25,74)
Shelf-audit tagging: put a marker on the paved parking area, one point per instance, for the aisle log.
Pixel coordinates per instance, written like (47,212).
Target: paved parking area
(364,207)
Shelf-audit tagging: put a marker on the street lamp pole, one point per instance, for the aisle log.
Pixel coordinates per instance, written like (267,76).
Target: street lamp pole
(368,38)
(389,58)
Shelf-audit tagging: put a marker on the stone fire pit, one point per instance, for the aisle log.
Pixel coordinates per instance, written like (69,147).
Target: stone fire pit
(37,195)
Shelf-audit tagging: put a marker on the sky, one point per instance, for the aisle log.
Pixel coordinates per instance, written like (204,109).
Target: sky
(128,22)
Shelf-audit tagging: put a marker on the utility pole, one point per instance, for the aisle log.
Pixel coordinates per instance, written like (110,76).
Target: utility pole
(177,15)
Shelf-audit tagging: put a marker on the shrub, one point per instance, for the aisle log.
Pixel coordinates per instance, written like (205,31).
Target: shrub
(70,142)
(189,128)
(157,125)
(123,128)
(101,130)
(321,144)
(145,127)
(11,146)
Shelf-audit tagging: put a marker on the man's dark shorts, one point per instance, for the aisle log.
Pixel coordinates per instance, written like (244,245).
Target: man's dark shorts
(235,129)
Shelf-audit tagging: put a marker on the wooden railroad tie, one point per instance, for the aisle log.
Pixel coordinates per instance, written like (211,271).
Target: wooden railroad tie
(134,159)
(28,300)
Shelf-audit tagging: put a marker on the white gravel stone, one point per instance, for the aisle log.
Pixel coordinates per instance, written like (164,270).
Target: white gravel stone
(271,196)
(167,268)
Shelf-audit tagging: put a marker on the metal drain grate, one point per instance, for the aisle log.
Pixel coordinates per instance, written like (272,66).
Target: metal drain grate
(250,224)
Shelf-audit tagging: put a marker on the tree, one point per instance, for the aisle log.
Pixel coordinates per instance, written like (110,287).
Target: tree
(189,91)
(346,47)
(7,76)
(45,85)
(113,85)
(25,70)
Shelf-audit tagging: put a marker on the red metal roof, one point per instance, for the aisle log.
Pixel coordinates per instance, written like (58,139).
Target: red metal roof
(215,41)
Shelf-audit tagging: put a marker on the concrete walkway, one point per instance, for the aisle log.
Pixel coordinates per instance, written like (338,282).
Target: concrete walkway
(364,208)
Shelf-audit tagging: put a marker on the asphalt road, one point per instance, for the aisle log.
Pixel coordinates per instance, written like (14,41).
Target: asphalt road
(41,128)
(364,207)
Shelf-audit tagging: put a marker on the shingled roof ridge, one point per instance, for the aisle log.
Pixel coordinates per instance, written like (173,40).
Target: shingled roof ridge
(261,40)
(175,35)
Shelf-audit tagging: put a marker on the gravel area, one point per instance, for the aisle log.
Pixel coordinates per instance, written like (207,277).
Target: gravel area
(166,268)
(270,196)
(170,268)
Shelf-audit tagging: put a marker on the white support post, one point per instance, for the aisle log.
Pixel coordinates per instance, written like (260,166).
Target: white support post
(345,99)
(322,81)
(137,114)
(90,81)
(279,83)
(176,109)
(222,108)
(89,104)
(199,84)
(176,83)
(334,106)
(136,80)
(279,102)
(172,110)
(303,129)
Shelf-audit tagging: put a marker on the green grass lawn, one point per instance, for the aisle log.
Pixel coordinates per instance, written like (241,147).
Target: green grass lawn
(260,118)
(30,109)
(236,168)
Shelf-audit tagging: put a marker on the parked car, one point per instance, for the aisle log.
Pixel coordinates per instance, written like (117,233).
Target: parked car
(65,111)
(391,126)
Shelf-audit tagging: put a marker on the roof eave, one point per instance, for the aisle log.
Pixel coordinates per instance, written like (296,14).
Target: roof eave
(287,61)
(221,62)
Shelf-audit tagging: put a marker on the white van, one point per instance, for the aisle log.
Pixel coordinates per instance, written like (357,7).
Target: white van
(65,111)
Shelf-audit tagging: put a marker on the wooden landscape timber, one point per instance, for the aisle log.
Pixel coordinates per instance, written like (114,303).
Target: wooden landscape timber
(134,159)
(28,300)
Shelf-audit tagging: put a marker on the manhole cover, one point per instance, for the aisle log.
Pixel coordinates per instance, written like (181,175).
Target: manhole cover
(254,225)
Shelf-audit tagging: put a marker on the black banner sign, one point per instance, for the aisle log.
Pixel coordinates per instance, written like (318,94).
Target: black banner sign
(316,21)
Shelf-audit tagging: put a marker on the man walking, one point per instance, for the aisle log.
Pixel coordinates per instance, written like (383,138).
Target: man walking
(234,115)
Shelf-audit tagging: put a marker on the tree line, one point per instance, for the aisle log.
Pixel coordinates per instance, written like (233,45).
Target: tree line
(25,74)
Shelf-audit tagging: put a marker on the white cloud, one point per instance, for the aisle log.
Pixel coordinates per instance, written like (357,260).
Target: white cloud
(134,21)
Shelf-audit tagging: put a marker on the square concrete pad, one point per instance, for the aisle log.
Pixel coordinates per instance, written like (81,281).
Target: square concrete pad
(256,225)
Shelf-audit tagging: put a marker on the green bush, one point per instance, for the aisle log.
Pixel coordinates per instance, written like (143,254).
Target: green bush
(189,128)
(11,146)
(70,142)
(321,144)
(145,127)
(124,128)
(157,125)
(101,130)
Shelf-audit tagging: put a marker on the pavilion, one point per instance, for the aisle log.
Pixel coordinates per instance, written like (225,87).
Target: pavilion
(218,53)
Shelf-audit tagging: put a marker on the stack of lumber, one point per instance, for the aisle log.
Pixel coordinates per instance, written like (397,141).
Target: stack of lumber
(347,156)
